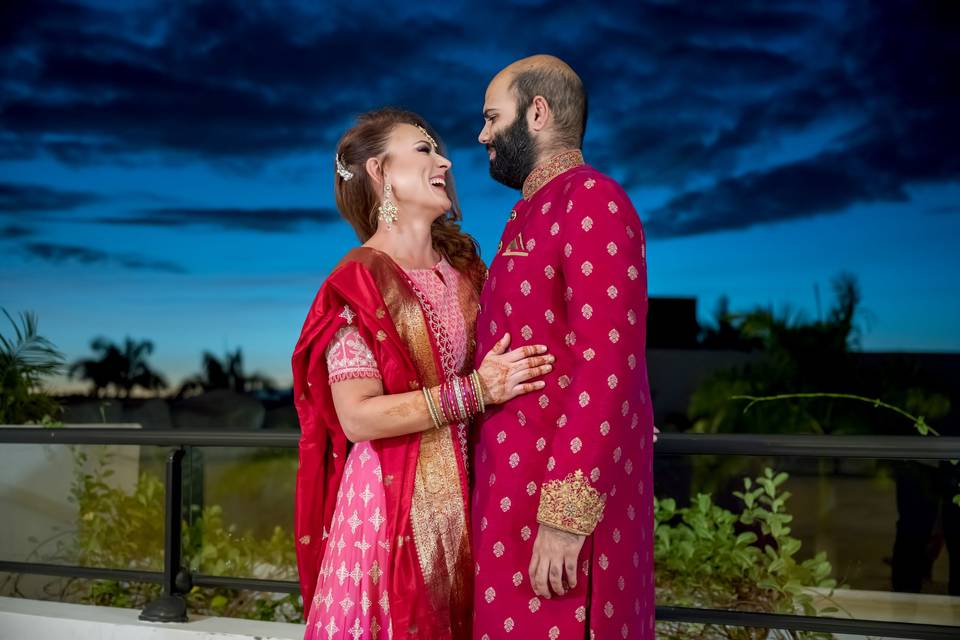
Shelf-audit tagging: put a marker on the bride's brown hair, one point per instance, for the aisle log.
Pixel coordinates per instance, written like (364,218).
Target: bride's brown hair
(357,198)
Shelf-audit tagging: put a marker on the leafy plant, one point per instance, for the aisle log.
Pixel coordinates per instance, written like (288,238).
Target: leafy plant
(25,359)
(707,556)
(118,529)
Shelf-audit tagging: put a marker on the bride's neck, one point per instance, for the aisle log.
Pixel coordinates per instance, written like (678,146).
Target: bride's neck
(410,244)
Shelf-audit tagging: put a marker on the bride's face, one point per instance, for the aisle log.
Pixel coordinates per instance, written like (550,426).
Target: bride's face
(417,172)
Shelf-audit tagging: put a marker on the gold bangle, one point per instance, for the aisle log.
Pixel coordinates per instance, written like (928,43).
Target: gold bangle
(476,391)
(431,408)
(426,401)
(476,379)
(438,409)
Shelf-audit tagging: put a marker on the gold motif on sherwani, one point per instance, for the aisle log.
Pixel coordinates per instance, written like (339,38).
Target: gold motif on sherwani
(570,504)
(549,170)
(517,247)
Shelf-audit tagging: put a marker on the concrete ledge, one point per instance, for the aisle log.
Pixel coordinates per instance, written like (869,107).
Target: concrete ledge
(918,608)
(22,619)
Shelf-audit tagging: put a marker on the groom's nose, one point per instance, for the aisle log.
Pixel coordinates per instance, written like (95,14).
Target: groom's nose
(484,137)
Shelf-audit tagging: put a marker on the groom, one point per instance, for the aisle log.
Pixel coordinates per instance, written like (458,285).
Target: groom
(563,504)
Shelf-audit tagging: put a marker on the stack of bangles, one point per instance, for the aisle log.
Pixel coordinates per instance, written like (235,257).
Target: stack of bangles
(460,399)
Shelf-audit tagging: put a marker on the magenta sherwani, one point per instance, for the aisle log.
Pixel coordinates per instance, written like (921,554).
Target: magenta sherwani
(570,273)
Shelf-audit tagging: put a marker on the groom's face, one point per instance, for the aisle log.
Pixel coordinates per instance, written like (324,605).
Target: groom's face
(506,135)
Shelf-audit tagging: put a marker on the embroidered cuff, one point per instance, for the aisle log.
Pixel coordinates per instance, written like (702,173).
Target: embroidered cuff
(349,357)
(570,504)
(354,374)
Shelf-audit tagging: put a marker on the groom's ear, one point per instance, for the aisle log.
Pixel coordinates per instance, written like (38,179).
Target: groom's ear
(375,171)
(539,113)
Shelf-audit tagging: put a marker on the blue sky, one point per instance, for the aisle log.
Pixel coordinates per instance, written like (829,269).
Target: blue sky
(166,171)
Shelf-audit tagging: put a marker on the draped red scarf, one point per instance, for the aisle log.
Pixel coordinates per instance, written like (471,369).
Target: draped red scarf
(390,320)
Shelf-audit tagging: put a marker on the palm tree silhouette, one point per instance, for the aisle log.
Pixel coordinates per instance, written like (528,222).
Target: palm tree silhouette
(125,367)
(225,374)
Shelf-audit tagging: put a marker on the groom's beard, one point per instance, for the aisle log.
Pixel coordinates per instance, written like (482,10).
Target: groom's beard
(516,154)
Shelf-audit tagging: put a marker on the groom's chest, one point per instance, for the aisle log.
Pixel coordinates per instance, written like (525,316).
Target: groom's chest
(525,273)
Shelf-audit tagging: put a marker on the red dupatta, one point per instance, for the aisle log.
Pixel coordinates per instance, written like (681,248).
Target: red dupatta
(370,291)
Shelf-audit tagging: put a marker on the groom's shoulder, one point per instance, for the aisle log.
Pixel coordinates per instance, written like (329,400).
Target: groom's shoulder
(588,179)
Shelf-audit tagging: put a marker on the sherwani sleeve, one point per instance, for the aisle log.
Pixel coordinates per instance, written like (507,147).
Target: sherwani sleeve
(603,264)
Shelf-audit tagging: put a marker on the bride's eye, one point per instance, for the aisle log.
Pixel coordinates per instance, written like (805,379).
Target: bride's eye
(424,149)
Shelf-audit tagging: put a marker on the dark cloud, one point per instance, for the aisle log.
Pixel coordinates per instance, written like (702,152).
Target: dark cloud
(14,232)
(801,189)
(702,99)
(271,220)
(59,253)
(905,134)
(226,81)
(26,198)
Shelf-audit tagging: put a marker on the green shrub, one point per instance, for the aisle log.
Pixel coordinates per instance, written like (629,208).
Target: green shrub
(709,557)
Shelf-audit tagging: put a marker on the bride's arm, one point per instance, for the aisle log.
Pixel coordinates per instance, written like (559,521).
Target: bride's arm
(366,413)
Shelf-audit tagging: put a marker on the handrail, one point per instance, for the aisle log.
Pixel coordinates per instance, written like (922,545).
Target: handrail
(177,580)
(746,444)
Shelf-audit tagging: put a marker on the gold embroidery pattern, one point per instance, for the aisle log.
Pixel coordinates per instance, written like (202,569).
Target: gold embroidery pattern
(570,504)
(549,170)
(437,513)
(439,523)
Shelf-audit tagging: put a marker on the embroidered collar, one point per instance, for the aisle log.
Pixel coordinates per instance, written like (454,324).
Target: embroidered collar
(549,170)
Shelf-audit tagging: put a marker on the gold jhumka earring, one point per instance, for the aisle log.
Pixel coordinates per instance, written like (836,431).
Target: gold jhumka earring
(387,212)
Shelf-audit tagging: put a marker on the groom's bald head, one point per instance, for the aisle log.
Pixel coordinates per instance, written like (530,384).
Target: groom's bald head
(552,79)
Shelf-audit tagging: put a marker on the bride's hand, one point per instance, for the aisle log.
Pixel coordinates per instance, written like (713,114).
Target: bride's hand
(507,374)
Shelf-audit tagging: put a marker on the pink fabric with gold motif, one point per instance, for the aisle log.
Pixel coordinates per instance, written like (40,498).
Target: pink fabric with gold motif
(570,273)
(349,357)
(351,599)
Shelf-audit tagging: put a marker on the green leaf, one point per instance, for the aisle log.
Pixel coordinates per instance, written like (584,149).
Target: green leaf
(746,538)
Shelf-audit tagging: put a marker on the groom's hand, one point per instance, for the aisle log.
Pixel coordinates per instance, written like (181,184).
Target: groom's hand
(555,554)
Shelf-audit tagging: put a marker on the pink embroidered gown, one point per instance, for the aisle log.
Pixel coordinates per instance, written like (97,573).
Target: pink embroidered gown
(351,599)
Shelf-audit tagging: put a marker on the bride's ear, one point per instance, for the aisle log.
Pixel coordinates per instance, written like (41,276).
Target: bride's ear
(375,171)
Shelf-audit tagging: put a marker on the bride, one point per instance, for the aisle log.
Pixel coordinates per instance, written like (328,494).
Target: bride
(384,393)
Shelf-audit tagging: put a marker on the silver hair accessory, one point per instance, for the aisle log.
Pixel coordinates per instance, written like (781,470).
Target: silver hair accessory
(345,173)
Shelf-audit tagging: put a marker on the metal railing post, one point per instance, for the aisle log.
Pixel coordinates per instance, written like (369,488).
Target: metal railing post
(171,606)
